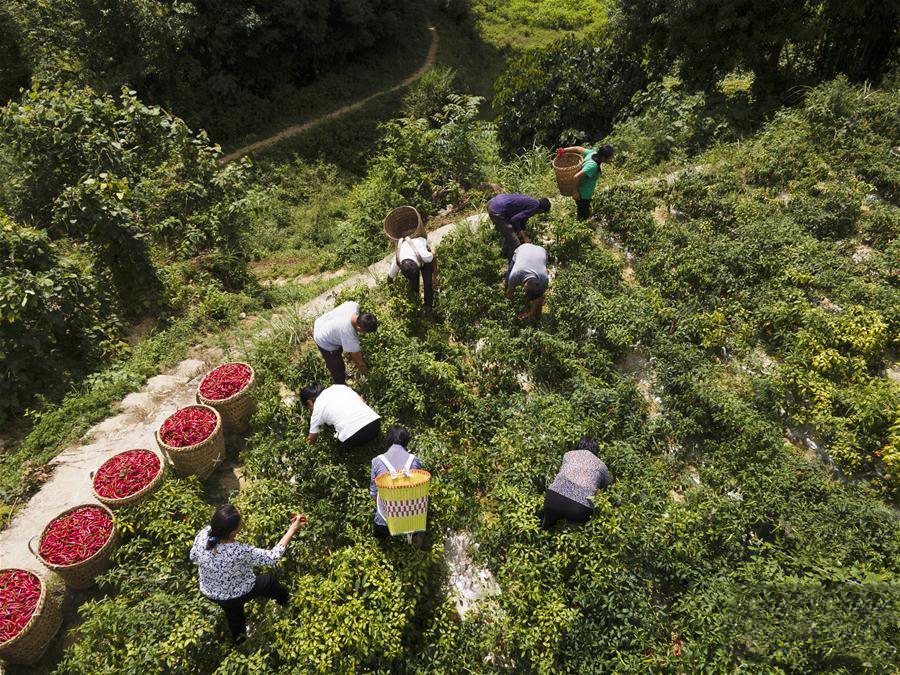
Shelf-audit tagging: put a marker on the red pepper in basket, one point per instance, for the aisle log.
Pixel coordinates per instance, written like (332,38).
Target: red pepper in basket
(76,536)
(20,592)
(188,426)
(225,381)
(126,473)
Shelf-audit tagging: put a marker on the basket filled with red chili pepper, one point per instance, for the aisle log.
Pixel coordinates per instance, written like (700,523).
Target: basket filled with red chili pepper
(127,478)
(29,616)
(193,439)
(77,544)
(230,389)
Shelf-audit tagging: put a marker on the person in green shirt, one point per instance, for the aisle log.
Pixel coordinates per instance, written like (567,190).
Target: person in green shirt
(586,178)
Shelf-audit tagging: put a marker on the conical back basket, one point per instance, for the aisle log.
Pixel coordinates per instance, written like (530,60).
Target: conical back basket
(404,500)
(404,221)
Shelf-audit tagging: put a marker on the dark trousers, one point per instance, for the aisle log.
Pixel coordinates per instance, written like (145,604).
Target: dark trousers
(583,206)
(266,586)
(427,271)
(380,531)
(335,364)
(557,507)
(366,434)
(509,242)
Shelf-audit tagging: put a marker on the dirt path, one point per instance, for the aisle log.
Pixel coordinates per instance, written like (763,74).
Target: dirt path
(300,128)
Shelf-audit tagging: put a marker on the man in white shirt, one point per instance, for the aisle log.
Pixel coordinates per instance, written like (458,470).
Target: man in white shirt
(338,331)
(354,422)
(412,257)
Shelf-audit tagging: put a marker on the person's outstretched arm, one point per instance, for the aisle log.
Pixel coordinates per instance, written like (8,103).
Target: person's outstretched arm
(296,522)
(358,360)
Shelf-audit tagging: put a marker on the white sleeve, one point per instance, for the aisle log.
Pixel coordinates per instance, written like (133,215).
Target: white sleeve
(426,253)
(350,339)
(260,556)
(315,420)
(394,268)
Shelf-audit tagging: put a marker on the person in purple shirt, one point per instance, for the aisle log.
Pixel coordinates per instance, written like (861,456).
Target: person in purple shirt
(509,213)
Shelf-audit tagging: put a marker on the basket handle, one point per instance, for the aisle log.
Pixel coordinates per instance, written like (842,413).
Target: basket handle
(31,548)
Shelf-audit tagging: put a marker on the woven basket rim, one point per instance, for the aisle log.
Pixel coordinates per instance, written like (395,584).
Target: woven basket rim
(196,446)
(426,476)
(37,610)
(567,166)
(82,563)
(121,501)
(400,209)
(235,396)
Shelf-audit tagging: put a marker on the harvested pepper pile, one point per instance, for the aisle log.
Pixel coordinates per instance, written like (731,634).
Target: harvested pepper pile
(188,426)
(76,536)
(126,473)
(225,381)
(19,595)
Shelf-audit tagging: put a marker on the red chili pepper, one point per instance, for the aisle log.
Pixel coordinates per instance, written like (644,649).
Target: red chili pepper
(225,381)
(20,592)
(76,536)
(126,473)
(188,426)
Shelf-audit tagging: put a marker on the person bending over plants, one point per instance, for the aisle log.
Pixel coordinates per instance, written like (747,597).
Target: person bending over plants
(354,422)
(412,256)
(586,178)
(394,458)
(510,213)
(569,495)
(338,331)
(528,268)
(226,567)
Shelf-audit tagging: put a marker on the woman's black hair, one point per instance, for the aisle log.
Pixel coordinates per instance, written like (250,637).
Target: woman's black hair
(544,203)
(534,289)
(396,435)
(409,268)
(225,520)
(311,392)
(605,151)
(368,322)
(589,444)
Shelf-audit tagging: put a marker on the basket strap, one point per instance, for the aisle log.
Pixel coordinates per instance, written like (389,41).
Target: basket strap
(409,462)
(390,467)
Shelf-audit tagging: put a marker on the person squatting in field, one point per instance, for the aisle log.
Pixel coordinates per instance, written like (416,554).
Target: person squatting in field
(395,458)
(412,257)
(226,567)
(528,268)
(569,495)
(338,331)
(586,178)
(510,213)
(354,422)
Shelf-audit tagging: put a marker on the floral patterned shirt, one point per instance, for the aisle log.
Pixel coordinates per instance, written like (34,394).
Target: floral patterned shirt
(226,570)
(582,472)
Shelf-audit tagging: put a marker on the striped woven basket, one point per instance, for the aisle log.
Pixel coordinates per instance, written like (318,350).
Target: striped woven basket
(404,500)
(81,575)
(199,459)
(29,645)
(565,167)
(133,498)
(404,221)
(235,410)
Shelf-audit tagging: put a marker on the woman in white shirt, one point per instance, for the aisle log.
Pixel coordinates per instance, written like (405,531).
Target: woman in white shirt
(226,567)
(354,422)
(412,257)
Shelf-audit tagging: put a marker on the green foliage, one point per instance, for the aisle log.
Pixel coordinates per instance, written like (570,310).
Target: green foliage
(238,59)
(567,92)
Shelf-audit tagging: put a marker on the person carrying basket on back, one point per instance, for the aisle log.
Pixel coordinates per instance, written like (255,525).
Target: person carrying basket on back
(413,256)
(586,178)
(395,458)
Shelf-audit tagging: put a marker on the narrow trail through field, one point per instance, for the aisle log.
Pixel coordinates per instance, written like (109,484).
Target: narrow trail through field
(278,137)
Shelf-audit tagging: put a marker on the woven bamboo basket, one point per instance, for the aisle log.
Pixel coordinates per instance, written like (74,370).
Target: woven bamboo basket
(31,642)
(81,575)
(199,459)
(235,410)
(404,221)
(565,167)
(133,498)
(404,500)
